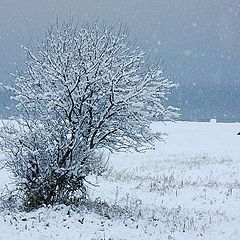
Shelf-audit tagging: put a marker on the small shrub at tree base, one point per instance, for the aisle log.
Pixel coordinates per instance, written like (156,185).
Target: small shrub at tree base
(85,89)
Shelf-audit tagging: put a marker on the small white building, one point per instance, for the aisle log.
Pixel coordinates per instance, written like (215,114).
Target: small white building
(213,120)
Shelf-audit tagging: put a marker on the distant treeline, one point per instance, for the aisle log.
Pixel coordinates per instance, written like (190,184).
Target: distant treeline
(201,103)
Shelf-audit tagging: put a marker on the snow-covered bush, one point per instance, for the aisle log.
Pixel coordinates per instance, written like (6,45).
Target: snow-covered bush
(85,88)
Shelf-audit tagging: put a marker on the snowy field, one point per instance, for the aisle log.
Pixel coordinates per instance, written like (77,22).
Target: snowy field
(187,188)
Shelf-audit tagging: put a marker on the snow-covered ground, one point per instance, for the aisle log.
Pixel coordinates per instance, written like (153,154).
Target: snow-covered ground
(187,188)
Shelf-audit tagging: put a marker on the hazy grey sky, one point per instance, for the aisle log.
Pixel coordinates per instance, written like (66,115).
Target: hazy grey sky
(199,40)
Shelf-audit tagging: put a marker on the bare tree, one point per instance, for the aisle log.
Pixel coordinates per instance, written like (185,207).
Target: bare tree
(85,88)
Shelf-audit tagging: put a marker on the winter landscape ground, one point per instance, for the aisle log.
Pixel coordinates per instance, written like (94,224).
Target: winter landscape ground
(187,188)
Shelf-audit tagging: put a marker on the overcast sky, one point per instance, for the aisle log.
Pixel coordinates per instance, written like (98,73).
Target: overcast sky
(199,40)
